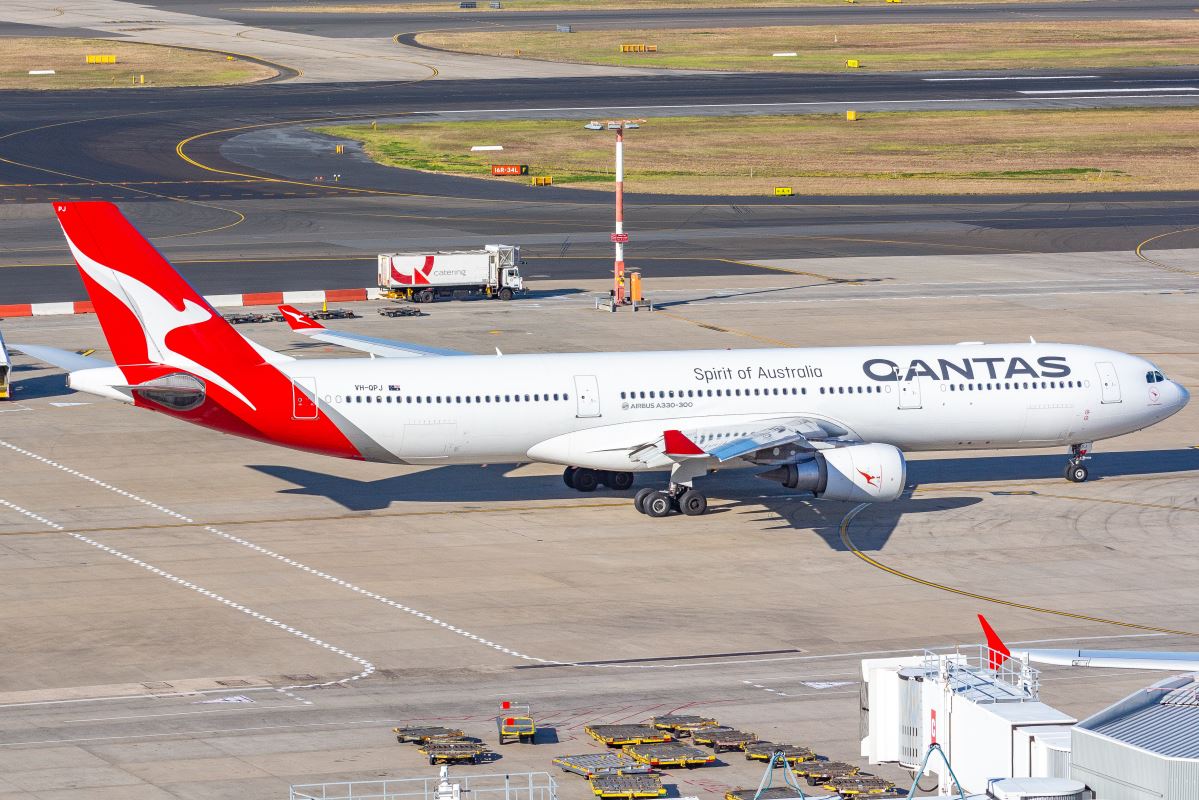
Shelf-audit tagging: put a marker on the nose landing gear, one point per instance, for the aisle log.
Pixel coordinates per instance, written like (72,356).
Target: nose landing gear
(1076,471)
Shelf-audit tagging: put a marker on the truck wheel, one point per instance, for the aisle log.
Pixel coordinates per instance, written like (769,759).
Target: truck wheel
(425,296)
(505,294)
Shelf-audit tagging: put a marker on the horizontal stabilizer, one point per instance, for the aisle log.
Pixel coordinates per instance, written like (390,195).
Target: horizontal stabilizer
(386,348)
(68,360)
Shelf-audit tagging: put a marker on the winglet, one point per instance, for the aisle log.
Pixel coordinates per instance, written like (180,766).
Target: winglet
(997,651)
(299,321)
(679,445)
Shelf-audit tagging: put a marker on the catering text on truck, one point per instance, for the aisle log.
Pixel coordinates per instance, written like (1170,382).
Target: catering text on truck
(493,271)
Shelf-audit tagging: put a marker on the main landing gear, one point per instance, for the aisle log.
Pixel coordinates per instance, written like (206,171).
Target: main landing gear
(662,503)
(1076,472)
(583,479)
(678,496)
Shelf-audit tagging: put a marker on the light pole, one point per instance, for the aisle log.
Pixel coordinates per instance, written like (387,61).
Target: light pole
(619,237)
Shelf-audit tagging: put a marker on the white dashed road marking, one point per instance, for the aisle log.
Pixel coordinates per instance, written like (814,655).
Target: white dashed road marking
(367,667)
(282,558)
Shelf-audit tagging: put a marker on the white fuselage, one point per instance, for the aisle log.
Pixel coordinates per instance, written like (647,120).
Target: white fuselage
(590,409)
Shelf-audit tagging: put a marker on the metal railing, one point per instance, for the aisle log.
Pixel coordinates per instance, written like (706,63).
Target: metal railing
(512,786)
(991,675)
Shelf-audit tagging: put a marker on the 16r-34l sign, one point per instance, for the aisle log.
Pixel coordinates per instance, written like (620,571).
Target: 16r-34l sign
(509,169)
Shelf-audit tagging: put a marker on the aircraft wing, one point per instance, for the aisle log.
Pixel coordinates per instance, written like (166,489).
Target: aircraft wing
(301,323)
(1116,659)
(775,442)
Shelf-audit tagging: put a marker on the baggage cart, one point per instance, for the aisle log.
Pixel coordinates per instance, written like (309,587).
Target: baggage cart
(854,785)
(608,763)
(721,740)
(762,751)
(620,735)
(453,752)
(819,773)
(419,734)
(627,786)
(670,754)
(682,724)
(773,793)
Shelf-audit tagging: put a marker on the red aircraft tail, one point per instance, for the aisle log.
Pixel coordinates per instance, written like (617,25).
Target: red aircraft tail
(997,651)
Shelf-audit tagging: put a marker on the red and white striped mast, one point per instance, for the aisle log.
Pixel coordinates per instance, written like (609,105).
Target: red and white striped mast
(619,237)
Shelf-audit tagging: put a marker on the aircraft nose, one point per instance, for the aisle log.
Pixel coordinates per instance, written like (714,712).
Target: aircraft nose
(1184,396)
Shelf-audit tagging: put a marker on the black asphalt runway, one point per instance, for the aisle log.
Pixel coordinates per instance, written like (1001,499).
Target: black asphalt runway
(248,212)
(86,144)
(359,25)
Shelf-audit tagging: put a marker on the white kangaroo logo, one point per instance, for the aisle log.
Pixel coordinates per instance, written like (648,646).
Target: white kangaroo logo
(156,315)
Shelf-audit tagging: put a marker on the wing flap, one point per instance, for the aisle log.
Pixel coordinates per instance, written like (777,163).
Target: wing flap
(773,442)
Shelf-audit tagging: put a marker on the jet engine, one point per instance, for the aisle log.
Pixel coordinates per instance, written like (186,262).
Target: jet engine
(859,473)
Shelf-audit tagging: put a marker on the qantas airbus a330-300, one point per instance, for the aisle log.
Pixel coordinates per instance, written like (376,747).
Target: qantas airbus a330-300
(832,421)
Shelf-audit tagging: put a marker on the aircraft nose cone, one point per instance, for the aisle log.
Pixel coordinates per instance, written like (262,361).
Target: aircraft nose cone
(1184,396)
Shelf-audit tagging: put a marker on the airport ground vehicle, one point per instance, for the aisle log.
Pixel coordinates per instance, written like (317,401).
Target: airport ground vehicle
(515,723)
(5,368)
(493,271)
(832,422)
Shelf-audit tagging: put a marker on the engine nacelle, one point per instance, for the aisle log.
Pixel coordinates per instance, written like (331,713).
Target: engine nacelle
(859,473)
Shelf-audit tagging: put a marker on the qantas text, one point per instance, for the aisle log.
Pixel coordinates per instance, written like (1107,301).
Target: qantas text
(945,369)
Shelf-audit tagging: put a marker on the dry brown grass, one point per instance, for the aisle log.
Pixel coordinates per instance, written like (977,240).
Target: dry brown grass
(825,48)
(573,5)
(162,66)
(891,153)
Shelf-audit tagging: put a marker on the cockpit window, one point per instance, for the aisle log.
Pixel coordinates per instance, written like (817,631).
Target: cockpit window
(1153,376)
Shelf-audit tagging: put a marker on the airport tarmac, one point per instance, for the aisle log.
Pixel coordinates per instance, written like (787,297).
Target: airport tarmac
(193,615)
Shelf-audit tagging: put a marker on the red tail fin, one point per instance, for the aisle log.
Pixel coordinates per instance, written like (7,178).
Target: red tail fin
(299,321)
(149,313)
(997,651)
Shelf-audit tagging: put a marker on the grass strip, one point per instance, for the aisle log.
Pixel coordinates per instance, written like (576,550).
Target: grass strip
(970,152)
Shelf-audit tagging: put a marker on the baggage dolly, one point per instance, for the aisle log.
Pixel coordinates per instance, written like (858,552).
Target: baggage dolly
(620,735)
(591,764)
(627,786)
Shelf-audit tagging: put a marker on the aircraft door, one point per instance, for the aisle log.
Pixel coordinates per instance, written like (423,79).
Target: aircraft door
(909,392)
(587,396)
(303,398)
(1109,381)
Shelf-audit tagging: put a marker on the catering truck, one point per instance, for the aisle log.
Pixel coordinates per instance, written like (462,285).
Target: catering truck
(493,271)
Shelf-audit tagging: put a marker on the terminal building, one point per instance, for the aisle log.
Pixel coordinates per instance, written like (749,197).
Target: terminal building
(1145,747)
(991,724)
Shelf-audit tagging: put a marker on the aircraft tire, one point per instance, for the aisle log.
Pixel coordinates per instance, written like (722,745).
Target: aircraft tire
(620,481)
(659,504)
(568,477)
(640,498)
(693,503)
(586,480)
(1076,473)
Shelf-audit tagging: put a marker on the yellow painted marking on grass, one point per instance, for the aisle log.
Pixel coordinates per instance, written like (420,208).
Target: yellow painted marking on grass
(853,548)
